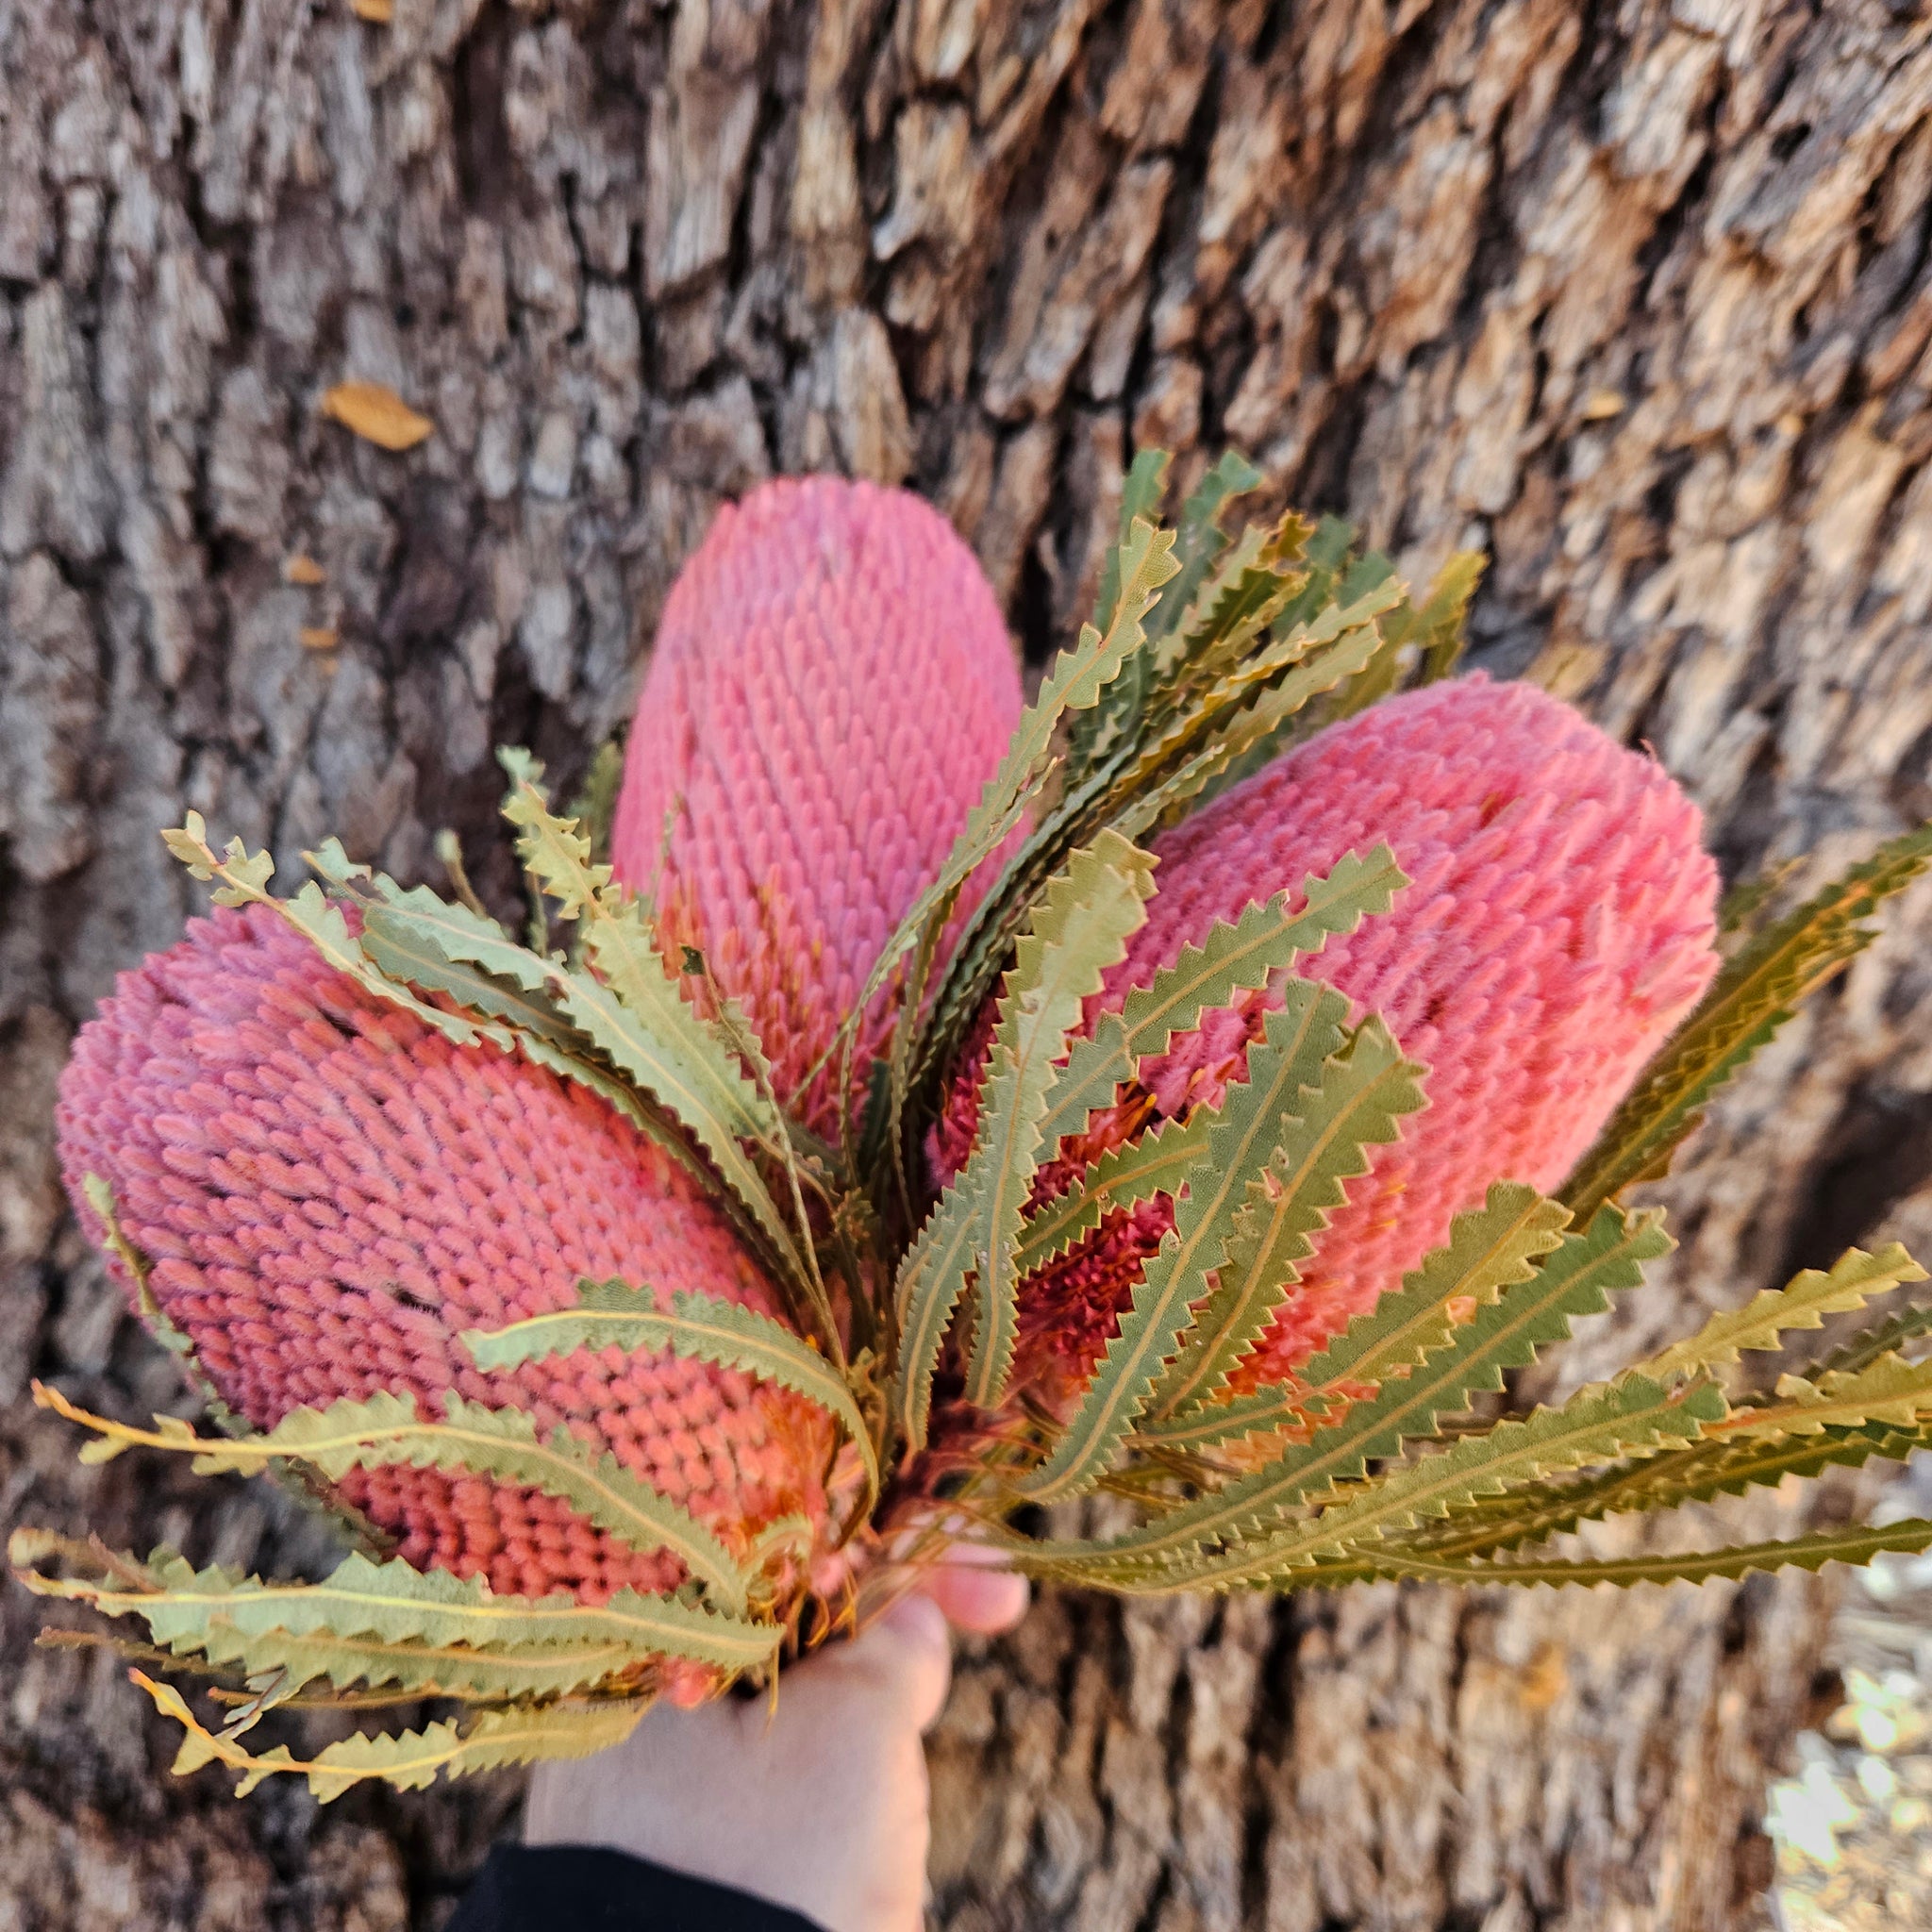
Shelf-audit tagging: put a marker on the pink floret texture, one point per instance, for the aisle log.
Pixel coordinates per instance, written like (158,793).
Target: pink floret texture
(1559,924)
(330,1192)
(831,685)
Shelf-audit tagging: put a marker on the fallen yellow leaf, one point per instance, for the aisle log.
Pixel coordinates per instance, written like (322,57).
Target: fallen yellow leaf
(303,569)
(377,415)
(380,11)
(1603,405)
(316,639)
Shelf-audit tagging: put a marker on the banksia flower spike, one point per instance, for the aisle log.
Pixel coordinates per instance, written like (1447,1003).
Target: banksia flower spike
(1199,1086)
(328,1192)
(831,685)
(1560,922)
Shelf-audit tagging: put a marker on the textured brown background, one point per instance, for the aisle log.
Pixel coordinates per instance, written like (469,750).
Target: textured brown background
(1634,296)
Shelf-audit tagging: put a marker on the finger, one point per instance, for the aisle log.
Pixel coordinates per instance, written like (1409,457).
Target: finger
(910,1649)
(975,1593)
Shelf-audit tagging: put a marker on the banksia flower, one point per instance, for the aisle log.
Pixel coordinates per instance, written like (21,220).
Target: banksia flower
(1559,924)
(1252,1145)
(830,687)
(328,1193)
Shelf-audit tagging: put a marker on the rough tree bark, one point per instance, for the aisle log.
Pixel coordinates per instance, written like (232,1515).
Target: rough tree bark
(1634,296)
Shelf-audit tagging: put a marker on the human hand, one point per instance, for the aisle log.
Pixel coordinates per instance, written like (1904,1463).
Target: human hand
(821,1806)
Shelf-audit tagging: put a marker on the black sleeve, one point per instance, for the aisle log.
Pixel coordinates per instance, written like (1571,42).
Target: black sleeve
(589,1888)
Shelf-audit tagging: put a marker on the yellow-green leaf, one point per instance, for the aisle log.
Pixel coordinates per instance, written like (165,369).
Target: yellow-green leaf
(1082,927)
(1804,1303)
(499,1443)
(1358,1101)
(1299,1038)
(1753,996)
(616,1314)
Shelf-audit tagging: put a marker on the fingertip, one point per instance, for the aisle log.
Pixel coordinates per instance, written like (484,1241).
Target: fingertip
(978,1589)
(918,1622)
(975,1597)
(914,1629)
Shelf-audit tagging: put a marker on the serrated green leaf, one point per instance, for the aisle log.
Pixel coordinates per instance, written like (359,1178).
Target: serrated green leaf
(1323,554)
(1363,1525)
(1074,684)
(1489,1248)
(1534,1511)
(1299,1037)
(1804,1303)
(414,936)
(1233,959)
(451,932)
(1751,999)
(660,1029)
(413,1759)
(1141,490)
(1217,631)
(634,1012)
(1856,1543)
(1596,1423)
(499,1443)
(245,881)
(594,808)
(1159,762)
(490,1668)
(661,1053)
(616,1314)
(555,850)
(1201,540)
(551,1669)
(1891,1390)
(1249,716)
(1885,1337)
(1575,1280)
(1175,627)
(394,1603)
(1264,1412)
(1230,673)
(398,954)
(1439,625)
(1358,1101)
(1378,679)
(1081,927)
(1427,638)
(1157,1162)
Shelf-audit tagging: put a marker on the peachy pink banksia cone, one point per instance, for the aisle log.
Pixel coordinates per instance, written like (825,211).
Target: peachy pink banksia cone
(328,1193)
(1559,924)
(831,685)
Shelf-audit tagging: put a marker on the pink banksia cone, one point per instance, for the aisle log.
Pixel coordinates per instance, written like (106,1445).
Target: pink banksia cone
(831,685)
(1559,924)
(328,1192)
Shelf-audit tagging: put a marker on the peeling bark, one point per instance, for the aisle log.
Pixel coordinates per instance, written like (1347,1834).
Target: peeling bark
(1635,297)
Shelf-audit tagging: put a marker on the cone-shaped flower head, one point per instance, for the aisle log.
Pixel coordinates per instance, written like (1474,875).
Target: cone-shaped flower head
(830,687)
(1559,924)
(328,1193)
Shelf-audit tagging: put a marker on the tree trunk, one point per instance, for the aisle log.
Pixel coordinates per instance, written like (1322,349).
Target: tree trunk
(1632,297)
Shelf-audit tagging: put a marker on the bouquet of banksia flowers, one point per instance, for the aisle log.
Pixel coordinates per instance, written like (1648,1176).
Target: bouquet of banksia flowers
(1201,1087)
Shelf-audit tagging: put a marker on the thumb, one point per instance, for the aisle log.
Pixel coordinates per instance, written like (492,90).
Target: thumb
(910,1652)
